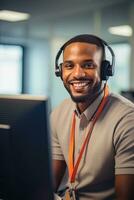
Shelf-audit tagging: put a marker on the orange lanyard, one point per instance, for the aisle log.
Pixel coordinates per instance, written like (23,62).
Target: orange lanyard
(73,168)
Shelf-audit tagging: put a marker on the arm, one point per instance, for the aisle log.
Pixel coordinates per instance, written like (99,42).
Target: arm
(124,158)
(59,167)
(58,162)
(124,186)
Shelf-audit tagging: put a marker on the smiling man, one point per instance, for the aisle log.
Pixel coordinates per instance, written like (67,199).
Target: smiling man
(93,132)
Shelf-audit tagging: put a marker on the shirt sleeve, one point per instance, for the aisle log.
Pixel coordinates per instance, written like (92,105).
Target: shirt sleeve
(124,145)
(57,153)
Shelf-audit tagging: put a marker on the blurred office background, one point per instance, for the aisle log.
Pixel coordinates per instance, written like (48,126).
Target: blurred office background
(28,47)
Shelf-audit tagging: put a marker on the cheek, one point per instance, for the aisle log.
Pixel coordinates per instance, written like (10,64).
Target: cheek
(93,73)
(64,78)
(98,73)
(65,75)
(96,76)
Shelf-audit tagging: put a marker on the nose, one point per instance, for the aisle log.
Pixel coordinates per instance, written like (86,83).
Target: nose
(79,71)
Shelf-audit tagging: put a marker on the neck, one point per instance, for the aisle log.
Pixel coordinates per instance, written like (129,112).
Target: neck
(82,106)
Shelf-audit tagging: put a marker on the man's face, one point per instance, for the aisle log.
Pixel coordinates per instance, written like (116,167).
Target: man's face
(81,71)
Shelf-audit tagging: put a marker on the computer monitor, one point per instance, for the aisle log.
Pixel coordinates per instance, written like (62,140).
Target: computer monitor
(129,94)
(25,153)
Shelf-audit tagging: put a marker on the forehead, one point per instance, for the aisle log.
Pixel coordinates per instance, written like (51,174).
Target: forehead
(81,48)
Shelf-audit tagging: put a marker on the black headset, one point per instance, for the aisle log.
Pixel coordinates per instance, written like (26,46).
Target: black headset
(107,68)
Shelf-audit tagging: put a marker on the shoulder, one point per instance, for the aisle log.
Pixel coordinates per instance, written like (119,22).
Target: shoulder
(120,104)
(119,113)
(122,112)
(66,107)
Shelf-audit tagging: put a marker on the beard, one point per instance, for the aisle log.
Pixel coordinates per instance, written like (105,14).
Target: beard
(89,96)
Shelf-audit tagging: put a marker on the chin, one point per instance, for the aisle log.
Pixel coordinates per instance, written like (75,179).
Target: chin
(89,95)
(79,99)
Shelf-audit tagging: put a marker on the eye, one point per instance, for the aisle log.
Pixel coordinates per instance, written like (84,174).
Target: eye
(88,65)
(67,65)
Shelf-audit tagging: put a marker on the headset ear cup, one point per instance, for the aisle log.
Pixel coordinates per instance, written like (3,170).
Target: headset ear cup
(105,66)
(58,70)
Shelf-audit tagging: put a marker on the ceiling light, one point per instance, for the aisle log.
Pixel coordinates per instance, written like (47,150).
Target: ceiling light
(13,16)
(124,30)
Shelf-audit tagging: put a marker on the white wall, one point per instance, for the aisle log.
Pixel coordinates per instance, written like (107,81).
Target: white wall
(57,92)
(37,67)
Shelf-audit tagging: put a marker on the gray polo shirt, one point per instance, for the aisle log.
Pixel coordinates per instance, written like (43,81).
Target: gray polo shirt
(110,150)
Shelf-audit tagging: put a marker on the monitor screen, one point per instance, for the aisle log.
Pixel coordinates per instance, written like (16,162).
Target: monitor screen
(25,153)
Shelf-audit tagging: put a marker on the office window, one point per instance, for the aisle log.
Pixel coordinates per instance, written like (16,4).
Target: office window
(11,62)
(120,80)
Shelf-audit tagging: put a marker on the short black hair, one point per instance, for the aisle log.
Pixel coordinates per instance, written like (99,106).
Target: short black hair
(87,38)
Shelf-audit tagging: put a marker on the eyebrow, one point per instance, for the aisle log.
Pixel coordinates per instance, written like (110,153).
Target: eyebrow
(67,61)
(86,60)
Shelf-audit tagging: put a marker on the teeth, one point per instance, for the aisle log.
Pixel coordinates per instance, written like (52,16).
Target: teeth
(80,84)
